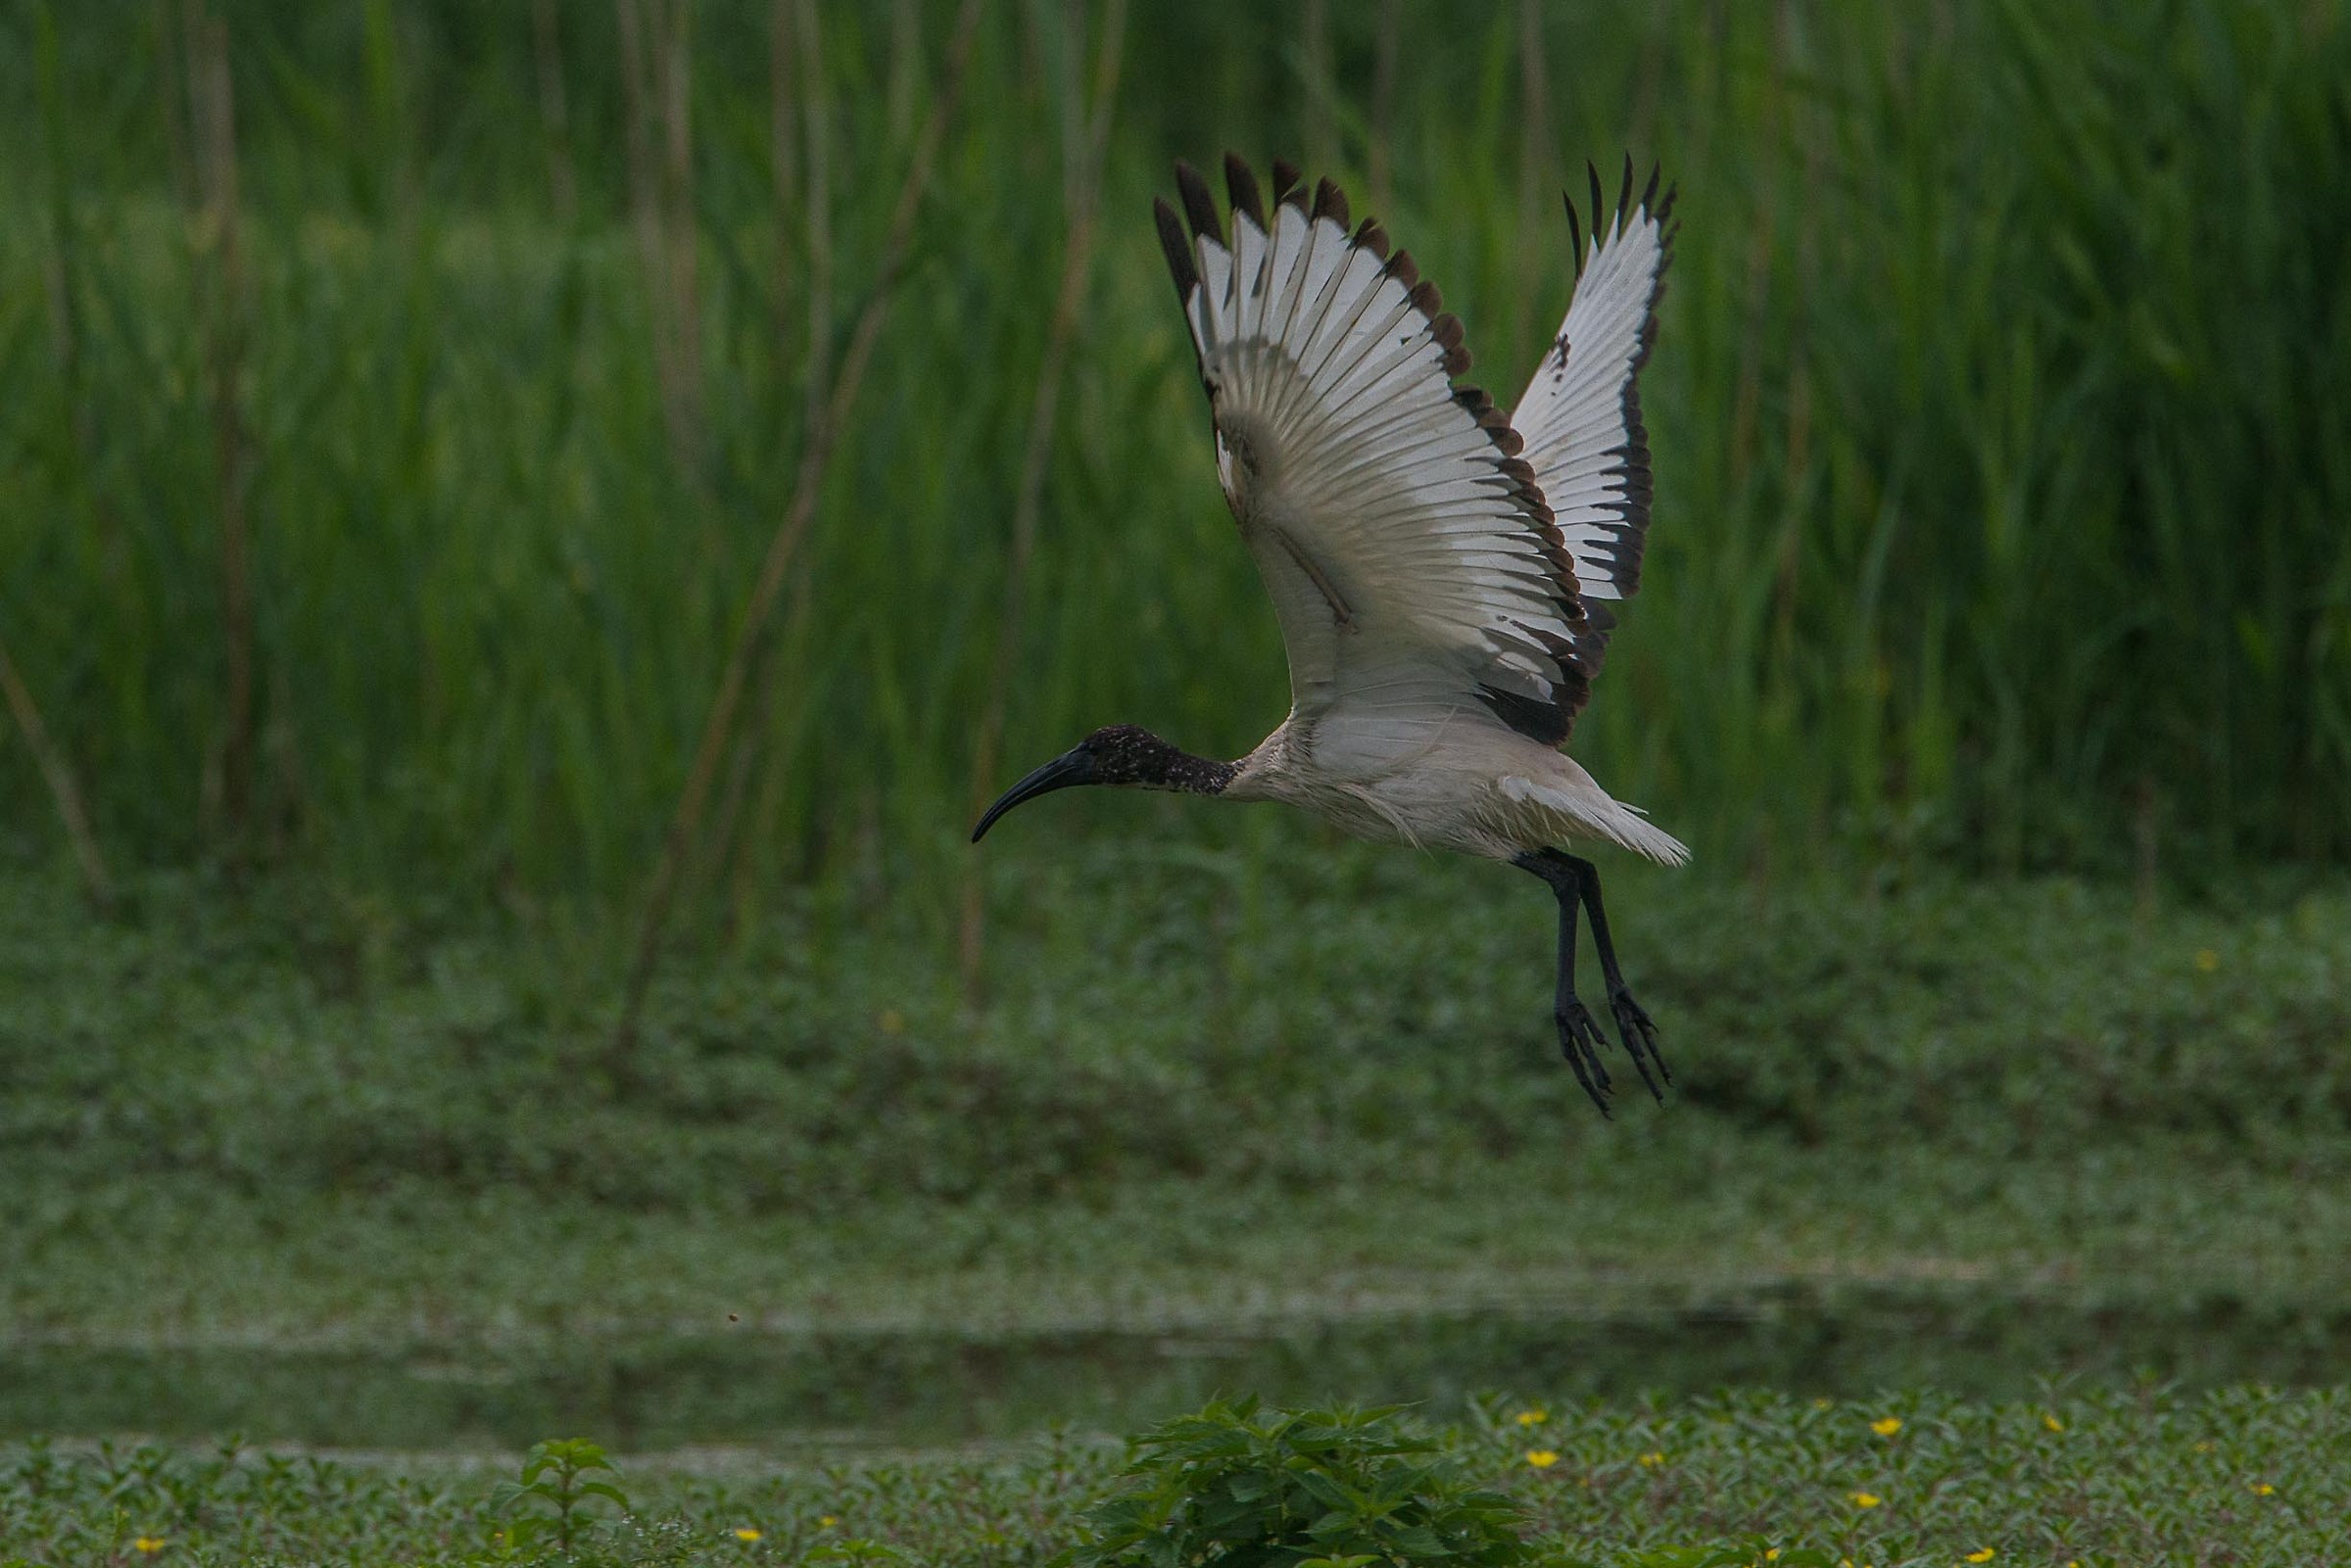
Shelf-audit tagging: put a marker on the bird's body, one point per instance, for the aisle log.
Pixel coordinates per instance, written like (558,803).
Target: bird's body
(1460,781)
(1441,570)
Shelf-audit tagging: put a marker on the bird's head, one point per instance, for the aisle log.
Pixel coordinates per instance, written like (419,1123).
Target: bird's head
(1123,754)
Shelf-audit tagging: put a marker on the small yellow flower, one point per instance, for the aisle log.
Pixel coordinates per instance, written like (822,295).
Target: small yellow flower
(892,1021)
(1542,1459)
(1533,1417)
(1986,1555)
(2203,1447)
(1651,1460)
(1773,1555)
(2261,1488)
(148,1544)
(1888,1427)
(2052,1423)
(1820,1404)
(1866,1500)
(827,1521)
(747,1533)
(2207,961)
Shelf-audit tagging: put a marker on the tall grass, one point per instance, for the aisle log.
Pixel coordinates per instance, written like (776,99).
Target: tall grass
(1999,417)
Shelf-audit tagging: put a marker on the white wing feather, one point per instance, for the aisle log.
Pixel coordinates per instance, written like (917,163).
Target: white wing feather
(1581,415)
(1407,550)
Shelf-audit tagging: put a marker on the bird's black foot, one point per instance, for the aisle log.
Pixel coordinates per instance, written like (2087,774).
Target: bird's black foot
(1577,883)
(1640,1036)
(1580,1041)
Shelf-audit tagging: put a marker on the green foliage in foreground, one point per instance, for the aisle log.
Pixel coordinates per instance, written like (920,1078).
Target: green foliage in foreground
(1997,413)
(555,1499)
(2240,1475)
(1243,1488)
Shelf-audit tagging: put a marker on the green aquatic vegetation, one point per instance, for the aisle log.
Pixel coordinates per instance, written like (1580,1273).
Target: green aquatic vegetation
(1735,1480)
(1236,1486)
(1314,1075)
(2102,1478)
(561,1478)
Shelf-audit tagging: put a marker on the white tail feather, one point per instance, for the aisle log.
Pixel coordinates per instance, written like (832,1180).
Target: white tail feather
(1594,813)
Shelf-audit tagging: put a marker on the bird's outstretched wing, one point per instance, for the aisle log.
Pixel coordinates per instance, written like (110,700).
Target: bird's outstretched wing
(1581,417)
(1407,546)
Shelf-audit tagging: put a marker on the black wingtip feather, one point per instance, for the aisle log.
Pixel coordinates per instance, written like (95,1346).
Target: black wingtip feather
(1447,330)
(1330,202)
(1198,206)
(1624,194)
(1649,197)
(1241,184)
(1592,172)
(1371,237)
(1285,178)
(1179,249)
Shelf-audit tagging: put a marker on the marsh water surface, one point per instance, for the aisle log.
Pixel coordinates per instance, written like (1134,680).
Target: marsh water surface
(886,1390)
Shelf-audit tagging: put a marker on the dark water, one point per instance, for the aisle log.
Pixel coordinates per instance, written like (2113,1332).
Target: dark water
(891,1389)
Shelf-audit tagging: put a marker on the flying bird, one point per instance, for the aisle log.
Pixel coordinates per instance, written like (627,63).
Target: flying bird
(1442,570)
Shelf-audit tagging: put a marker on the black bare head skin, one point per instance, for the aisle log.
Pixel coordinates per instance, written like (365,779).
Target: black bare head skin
(1130,755)
(1122,754)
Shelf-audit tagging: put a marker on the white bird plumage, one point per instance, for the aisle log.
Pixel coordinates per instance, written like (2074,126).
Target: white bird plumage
(1442,571)
(1433,606)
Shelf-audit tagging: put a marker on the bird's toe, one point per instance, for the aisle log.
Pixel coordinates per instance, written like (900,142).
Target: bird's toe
(1580,1040)
(1640,1035)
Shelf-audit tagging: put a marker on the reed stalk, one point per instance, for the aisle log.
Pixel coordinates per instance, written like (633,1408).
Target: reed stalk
(815,455)
(1387,46)
(554,110)
(784,158)
(212,95)
(1538,217)
(1318,101)
(58,774)
(657,62)
(1083,151)
(817,208)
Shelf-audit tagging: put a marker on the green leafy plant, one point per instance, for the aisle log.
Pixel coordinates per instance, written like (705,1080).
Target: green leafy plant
(558,1479)
(1236,1486)
(1735,1554)
(857,1552)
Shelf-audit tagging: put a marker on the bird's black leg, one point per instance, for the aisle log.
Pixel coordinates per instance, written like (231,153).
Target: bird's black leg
(1632,1025)
(1580,1038)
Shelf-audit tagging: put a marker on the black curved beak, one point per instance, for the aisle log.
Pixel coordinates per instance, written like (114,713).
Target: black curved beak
(1069,768)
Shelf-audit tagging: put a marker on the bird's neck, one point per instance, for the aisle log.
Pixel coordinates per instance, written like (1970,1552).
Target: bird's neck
(1132,756)
(1178,770)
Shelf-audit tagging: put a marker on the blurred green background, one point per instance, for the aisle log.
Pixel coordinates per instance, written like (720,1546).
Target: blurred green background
(403,399)
(1999,417)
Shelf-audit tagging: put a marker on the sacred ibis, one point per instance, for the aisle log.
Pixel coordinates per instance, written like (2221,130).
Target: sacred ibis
(1442,571)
